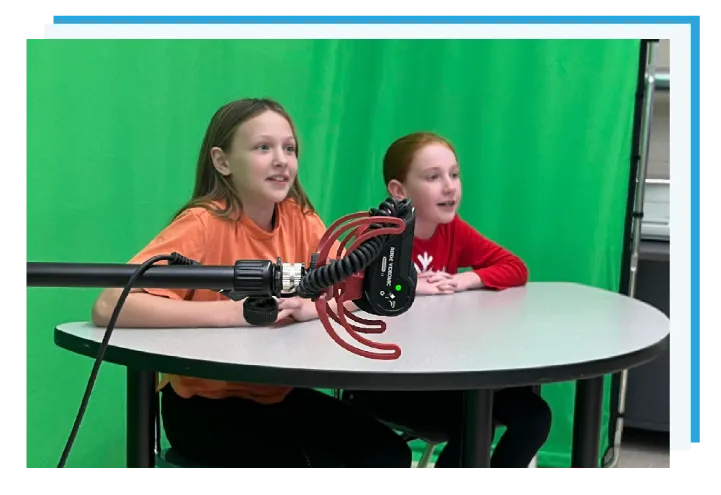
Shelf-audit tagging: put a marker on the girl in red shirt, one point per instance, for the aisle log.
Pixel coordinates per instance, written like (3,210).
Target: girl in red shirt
(424,168)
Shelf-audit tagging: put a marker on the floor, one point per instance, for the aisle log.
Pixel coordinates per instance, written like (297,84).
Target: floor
(644,449)
(639,449)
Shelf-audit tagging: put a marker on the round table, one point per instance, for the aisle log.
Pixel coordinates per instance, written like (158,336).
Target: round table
(475,341)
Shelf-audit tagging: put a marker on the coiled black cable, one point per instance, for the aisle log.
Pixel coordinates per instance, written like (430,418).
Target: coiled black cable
(319,279)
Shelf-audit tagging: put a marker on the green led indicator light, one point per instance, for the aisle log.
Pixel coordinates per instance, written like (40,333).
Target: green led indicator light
(398,288)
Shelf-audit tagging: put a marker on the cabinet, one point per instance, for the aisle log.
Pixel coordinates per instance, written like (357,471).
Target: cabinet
(647,393)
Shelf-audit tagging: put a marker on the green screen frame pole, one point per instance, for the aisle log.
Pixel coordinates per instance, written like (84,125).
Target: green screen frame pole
(629,273)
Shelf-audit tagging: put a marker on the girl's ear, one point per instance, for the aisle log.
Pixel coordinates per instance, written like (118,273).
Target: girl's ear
(220,162)
(396,190)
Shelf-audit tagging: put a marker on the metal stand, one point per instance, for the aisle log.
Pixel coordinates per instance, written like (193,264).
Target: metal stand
(587,423)
(637,219)
(140,434)
(477,429)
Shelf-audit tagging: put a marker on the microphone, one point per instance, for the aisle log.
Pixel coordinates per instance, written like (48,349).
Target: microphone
(375,272)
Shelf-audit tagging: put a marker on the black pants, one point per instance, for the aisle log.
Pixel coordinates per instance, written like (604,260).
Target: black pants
(307,429)
(525,415)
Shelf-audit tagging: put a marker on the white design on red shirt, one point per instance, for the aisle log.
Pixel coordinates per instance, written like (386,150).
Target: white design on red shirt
(425,261)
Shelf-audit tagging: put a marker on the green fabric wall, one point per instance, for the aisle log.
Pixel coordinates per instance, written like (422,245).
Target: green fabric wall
(542,127)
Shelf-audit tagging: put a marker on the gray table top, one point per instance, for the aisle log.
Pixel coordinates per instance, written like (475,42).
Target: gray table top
(540,333)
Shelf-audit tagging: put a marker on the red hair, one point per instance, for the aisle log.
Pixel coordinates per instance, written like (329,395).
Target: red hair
(400,154)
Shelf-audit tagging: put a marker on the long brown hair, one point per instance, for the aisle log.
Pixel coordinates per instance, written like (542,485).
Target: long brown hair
(211,186)
(398,157)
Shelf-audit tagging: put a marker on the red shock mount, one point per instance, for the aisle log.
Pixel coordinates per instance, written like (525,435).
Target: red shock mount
(351,288)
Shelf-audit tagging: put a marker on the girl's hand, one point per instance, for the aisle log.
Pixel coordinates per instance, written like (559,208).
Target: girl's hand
(466,281)
(425,287)
(434,277)
(297,308)
(288,306)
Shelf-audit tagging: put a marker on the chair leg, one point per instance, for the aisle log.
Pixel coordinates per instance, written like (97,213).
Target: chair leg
(534,461)
(427,454)
(158,431)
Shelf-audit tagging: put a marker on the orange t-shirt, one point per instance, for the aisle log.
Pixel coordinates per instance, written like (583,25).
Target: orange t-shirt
(204,237)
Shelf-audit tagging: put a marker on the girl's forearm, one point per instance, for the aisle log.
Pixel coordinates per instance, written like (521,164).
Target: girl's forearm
(146,310)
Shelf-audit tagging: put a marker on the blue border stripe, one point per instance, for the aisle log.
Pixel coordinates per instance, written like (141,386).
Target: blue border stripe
(705,266)
(373,19)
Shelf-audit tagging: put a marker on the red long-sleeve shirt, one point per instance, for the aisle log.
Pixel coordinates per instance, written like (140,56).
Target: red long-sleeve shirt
(458,245)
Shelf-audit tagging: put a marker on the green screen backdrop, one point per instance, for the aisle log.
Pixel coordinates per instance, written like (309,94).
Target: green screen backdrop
(542,128)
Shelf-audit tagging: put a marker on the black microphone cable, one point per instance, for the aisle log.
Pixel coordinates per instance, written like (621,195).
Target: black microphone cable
(172,259)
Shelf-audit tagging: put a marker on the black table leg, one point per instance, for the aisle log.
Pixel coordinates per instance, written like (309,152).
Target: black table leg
(587,423)
(140,419)
(477,428)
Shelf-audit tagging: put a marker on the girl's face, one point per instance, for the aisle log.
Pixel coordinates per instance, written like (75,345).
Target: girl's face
(432,184)
(261,161)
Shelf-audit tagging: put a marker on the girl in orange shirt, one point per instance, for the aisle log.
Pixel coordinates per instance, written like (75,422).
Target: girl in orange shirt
(248,204)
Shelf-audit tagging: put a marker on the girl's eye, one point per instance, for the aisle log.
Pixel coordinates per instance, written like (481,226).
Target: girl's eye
(290,148)
(432,177)
(263,147)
